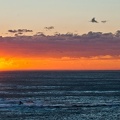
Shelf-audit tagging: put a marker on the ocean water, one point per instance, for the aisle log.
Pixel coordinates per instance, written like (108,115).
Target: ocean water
(60,95)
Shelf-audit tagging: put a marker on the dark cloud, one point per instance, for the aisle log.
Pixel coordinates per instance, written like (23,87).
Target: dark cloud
(24,30)
(63,45)
(12,31)
(40,34)
(117,34)
(49,28)
(20,31)
(104,21)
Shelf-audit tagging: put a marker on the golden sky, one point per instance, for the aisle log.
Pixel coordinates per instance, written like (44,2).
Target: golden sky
(59,35)
(92,51)
(58,64)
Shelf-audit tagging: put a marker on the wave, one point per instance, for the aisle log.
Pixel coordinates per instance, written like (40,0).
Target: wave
(42,104)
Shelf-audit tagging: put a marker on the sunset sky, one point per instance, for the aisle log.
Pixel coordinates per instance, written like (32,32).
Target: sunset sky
(58,35)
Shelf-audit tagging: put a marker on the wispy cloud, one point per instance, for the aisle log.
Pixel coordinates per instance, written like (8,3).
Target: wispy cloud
(12,31)
(19,31)
(49,28)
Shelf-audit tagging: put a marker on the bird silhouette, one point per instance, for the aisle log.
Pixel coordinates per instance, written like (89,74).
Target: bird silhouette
(94,21)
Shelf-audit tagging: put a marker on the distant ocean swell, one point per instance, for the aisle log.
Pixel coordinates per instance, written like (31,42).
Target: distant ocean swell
(60,95)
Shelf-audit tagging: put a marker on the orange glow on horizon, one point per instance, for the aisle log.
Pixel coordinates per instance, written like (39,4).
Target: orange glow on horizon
(58,64)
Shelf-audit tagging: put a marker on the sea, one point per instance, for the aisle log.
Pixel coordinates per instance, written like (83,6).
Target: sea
(60,95)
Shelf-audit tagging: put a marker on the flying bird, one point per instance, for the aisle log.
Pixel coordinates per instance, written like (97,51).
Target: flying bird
(94,21)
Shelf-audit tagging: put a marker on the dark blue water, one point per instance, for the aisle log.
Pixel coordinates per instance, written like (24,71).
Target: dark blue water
(60,95)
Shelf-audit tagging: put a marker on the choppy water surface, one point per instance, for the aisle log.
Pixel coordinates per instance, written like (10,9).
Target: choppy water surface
(60,95)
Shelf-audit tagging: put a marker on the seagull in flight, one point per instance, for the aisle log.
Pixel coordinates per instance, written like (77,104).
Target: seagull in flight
(94,21)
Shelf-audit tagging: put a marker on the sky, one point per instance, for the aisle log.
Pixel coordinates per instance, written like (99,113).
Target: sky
(59,35)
